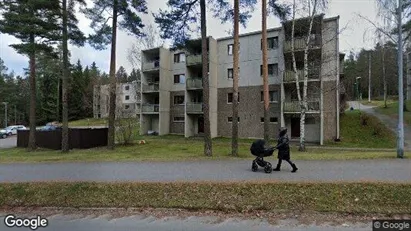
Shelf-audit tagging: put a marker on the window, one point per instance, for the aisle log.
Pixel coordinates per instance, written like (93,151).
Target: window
(272,95)
(179,99)
(179,119)
(272,120)
(127,97)
(126,107)
(230,49)
(179,58)
(179,79)
(272,43)
(230,73)
(272,69)
(230,97)
(127,87)
(230,119)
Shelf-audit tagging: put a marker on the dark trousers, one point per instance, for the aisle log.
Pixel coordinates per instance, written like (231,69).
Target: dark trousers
(280,161)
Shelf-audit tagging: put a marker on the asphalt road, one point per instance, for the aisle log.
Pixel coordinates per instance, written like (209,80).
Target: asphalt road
(396,170)
(9,142)
(67,223)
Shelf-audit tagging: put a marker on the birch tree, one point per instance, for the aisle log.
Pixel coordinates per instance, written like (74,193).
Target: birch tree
(317,5)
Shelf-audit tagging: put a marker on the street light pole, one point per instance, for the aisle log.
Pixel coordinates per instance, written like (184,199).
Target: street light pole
(400,139)
(369,76)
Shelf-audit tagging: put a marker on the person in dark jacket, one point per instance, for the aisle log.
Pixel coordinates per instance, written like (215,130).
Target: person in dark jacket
(284,150)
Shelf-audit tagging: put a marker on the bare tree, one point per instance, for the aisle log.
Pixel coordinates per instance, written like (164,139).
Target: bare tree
(150,40)
(302,100)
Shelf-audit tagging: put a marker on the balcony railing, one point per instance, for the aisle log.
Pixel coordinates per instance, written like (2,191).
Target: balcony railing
(154,87)
(194,108)
(299,43)
(313,74)
(151,65)
(294,106)
(150,108)
(193,59)
(194,83)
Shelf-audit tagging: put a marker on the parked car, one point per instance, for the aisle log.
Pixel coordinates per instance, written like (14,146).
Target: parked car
(49,127)
(12,130)
(3,134)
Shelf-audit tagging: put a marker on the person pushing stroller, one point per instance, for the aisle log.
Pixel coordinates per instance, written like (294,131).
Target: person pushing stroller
(284,150)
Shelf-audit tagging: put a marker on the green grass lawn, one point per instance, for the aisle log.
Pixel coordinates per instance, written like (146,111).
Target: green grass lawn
(377,103)
(372,135)
(353,198)
(173,148)
(392,110)
(89,122)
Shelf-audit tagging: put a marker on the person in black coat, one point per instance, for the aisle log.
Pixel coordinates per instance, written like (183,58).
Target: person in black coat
(284,150)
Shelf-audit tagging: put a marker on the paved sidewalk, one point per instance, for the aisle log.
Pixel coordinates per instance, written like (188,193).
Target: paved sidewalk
(392,170)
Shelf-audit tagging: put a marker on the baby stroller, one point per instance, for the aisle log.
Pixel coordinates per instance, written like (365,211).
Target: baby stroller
(260,151)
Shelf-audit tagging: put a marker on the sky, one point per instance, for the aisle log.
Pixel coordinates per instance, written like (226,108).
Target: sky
(356,33)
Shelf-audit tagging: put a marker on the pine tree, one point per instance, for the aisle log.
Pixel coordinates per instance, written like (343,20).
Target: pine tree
(105,35)
(28,20)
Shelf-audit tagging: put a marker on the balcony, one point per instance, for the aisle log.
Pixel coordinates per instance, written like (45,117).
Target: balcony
(294,107)
(152,87)
(194,83)
(193,60)
(313,74)
(299,43)
(151,65)
(194,108)
(150,108)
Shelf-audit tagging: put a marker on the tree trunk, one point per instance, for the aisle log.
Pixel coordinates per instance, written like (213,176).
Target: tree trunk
(297,82)
(206,87)
(265,73)
(112,107)
(65,131)
(384,77)
(32,134)
(235,80)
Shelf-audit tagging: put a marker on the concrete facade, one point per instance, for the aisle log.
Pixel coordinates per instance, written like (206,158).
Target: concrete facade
(179,74)
(128,99)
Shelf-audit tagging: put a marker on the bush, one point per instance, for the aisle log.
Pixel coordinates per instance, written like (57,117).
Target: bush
(126,130)
(364,119)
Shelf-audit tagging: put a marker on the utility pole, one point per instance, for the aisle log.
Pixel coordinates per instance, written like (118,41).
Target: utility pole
(400,138)
(369,76)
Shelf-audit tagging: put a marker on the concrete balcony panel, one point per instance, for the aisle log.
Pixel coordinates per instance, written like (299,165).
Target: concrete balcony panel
(194,108)
(294,107)
(194,83)
(151,87)
(150,108)
(151,66)
(299,43)
(313,74)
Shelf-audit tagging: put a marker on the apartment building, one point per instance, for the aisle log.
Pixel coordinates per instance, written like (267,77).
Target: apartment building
(171,90)
(128,99)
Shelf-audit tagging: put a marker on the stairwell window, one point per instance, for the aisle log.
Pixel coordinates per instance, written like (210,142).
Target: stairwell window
(179,79)
(127,97)
(179,58)
(272,69)
(230,119)
(272,95)
(230,73)
(230,97)
(230,48)
(272,43)
(273,120)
